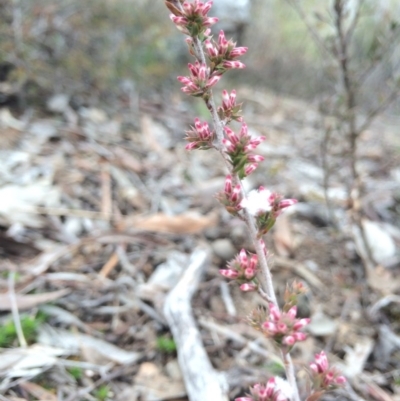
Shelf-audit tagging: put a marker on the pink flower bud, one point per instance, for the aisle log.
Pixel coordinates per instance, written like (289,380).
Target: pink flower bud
(206,8)
(229,146)
(222,42)
(228,184)
(322,361)
(301,323)
(249,273)
(292,312)
(270,327)
(247,287)
(271,385)
(243,258)
(210,21)
(236,193)
(238,51)
(256,141)
(289,340)
(211,50)
(314,367)
(243,131)
(274,312)
(191,146)
(299,336)
(253,262)
(250,168)
(282,327)
(229,273)
(286,203)
(340,380)
(233,65)
(213,80)
(255,158)
(179,20)
(231,135)
(328,380)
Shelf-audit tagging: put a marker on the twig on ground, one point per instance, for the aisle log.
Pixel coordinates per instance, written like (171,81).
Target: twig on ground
(201,380)
(232,335)
(227,298)
(14,310)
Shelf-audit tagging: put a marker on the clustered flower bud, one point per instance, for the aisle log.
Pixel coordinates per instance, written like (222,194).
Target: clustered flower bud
(268,392)
(265,206)
(292,293)
(325,378)
(231,197)
(283,327)
(199,81)
(229,109)
(243,269)
(192,19)
(222,54)
(200,136)
(239,148)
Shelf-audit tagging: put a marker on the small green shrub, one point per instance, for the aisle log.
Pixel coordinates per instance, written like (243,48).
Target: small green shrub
(165,344)
(30,325)
(75,372)
(102,393)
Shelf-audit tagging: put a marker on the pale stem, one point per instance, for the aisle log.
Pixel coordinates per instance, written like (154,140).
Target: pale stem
(250,222)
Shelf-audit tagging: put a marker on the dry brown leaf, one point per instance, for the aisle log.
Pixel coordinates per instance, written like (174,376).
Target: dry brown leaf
(283,237)
(185,223)
(382,280)
(109,266)
(106,197)
(38,391)
(29,301)
(158,385)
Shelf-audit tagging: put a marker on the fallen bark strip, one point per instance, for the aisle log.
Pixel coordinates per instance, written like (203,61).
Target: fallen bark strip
(201,380)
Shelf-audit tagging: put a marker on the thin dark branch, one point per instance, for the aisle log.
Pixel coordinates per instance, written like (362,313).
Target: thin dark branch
(380,109)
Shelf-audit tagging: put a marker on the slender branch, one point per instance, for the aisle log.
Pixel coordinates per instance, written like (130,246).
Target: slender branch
(353,25)
(290,374)
(316,37)
(386,50)
(349,88)
(262,258)
(382,107)
(251,225)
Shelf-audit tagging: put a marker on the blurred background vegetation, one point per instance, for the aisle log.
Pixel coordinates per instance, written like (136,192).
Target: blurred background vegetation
(94,50)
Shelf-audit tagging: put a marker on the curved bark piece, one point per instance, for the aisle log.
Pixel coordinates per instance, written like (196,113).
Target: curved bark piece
(201,380)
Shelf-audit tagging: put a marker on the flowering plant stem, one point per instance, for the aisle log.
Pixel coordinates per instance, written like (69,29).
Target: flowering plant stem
(269,293)
(258,209)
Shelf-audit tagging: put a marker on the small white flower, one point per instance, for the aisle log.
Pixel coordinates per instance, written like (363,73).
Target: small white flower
(284,387)
(257,201)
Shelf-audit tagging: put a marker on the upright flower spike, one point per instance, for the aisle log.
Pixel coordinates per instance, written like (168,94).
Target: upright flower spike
(265,392)
(243,269)
(325,378)
(231,197)
(199,81)
(239,147)
(284,327)
(265,206)
(230,110)
(223,53)
(200,136)
(192,20)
